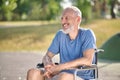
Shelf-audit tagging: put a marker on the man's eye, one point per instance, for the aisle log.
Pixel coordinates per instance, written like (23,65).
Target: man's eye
(66,18)
(61,18)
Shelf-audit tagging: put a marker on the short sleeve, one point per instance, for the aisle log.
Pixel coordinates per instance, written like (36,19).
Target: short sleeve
(55,45)
(89,40)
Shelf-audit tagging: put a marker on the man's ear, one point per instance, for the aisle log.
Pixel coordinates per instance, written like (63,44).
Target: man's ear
(78,19)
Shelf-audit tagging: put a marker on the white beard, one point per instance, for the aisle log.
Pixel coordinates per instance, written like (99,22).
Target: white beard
(67,31)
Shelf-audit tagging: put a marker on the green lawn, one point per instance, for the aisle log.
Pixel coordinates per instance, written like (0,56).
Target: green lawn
(27,37)
(104,29)
(32,38)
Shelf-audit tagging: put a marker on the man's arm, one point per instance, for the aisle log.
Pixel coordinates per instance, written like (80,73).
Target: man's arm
(47,59)
(86,60)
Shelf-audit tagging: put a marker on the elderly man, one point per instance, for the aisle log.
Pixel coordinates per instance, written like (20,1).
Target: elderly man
(74,45)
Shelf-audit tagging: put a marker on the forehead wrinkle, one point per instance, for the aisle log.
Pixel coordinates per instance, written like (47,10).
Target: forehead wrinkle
(68,11)
(74,10)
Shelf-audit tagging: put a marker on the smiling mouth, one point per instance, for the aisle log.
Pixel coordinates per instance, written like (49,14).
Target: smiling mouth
(65,25)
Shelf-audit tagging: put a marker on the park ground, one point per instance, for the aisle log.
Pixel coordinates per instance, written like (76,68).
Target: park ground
(14,65)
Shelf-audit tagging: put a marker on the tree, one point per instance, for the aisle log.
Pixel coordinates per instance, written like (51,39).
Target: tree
(49,9)
(85,7)
(6,8)
(23,8)
(29,9)
(37,9)
(112,4)
(96,8)
(103,7)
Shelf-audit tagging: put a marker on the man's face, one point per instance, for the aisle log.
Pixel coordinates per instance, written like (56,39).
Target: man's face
(68,21)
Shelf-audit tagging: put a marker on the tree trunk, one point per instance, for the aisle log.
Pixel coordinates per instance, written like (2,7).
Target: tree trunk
(112,9)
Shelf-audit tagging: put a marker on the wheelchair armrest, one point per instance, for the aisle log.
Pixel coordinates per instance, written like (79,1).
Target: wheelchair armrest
(99,50)
(92,67)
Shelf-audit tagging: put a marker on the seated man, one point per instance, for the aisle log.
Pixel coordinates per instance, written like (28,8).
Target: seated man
(74,45)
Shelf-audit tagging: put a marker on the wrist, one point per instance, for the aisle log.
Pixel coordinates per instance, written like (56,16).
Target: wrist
(63,66)
(47,60)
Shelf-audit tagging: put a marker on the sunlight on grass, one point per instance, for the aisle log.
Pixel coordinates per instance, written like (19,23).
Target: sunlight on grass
(27,38)
(104,29)
(32,38)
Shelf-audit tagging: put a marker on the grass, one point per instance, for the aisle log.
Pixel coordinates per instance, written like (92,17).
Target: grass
(27,38)
(39,37)
(104,29)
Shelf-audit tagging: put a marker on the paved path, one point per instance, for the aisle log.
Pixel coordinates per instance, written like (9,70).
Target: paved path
(14,66)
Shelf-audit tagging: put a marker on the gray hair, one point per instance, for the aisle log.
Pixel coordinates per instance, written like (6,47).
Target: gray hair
(76,10)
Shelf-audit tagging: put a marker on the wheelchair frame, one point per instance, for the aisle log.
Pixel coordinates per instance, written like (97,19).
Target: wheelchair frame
(92,67)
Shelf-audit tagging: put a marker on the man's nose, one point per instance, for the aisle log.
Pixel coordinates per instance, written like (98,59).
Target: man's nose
(63,20)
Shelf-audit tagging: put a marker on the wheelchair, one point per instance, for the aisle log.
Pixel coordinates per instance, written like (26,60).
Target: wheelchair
(93,67)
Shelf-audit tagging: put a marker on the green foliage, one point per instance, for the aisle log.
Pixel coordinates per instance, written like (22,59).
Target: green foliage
(29,9)
(6,8)
(85,7)
(49,9)
(23,8)
(54,9)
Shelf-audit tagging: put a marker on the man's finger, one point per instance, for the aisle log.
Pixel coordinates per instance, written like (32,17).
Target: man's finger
(46,74)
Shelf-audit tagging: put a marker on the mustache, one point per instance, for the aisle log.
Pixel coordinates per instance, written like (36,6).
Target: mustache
(65,24)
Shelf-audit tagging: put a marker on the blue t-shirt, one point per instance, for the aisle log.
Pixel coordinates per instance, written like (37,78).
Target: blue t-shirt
(73,49)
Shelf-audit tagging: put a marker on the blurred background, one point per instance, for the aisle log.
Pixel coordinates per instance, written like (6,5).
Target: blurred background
(27,10)
(27,28)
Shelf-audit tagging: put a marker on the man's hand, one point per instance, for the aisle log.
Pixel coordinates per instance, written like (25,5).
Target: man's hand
(47,73)
(51,70)
(49,66)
